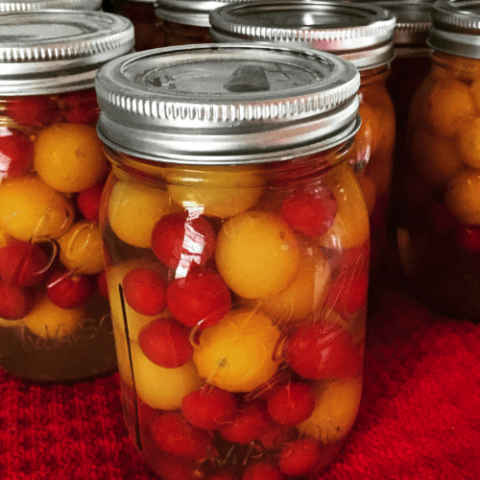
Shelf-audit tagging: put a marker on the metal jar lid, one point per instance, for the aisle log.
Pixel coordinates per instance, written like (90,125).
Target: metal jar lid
(226,103)
(414,19)
(361,33)
(53,51)
(456,28)
(28,5)
(188,12)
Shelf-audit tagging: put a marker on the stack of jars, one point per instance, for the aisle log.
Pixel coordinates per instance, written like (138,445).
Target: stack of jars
(439,241)
(54,315)
(237,240)
(360,33)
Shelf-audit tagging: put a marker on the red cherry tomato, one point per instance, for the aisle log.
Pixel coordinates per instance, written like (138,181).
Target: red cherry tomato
(32,111)
(180,239)
(174,435)
(291,404)
(321,351)
(310,214)
(15,302)
(16,153)
(209,408)
(67,290)
(22,264)
(202,297)
(145,291)
(88,201)
(166,343)
(251,421)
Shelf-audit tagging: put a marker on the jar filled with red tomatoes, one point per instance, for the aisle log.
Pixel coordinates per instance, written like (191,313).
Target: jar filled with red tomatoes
(54,314)
(148,31)
(440,241)
(30,5)
(360,33)
(237,250)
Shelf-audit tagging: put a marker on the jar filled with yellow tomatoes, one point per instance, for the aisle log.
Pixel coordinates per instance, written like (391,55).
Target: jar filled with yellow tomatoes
(440,241)
(148,31)
(237,248)
(30,5)
(54,314)
(360,33)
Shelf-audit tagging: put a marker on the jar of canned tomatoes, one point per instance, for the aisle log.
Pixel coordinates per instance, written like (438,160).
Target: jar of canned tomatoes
(440,243)
(360,33)
(29,5)
(237,248)
(54,314)
(409,68)
(148,32)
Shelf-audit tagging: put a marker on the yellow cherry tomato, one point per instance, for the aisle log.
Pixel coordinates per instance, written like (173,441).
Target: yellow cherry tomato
(69,157)
(215,191)
(133,211)
(48,321)
(435,158)
(159,387)
(81,248)
(237,354)
(468,142)
(30,209)
(462,197)
(257,254)
(351,226)
(336,408)
(448,104)
(302,297)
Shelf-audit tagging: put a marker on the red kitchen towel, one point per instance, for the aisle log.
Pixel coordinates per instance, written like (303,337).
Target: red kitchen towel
(419,416)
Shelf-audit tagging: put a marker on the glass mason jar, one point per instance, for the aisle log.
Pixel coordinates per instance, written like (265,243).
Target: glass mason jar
(409,68)
(236,242)
(148,32)
(440,242)
(54,323)
(360,33)
(29,5)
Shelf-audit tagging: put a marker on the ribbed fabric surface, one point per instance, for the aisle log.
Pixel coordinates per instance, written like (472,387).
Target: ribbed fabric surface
(419,417)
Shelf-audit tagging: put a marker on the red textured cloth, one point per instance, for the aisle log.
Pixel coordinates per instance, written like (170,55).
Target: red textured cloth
(419,417)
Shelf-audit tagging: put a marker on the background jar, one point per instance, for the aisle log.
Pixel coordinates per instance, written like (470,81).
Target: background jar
(185,22)
(54,323)
(409,68)
(148,32)
(30,5)
(439,244)
(233,194)
(360,33)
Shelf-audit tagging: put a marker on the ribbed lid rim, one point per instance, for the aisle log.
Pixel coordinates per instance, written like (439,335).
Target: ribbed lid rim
(191,125)
(26,6)
(456,27)
(63,56)
(367,40)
